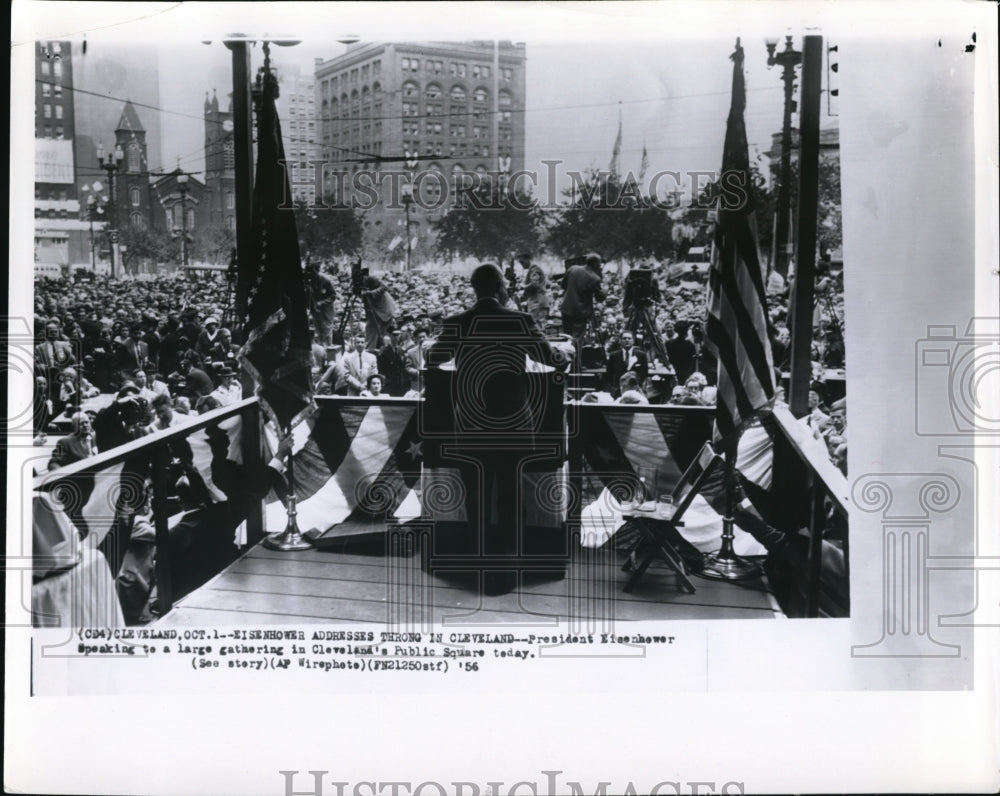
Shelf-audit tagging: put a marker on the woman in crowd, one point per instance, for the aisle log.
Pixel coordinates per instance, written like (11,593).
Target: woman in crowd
(535,298)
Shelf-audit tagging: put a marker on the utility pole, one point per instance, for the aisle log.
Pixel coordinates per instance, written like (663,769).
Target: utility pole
(803,288)
(787,60)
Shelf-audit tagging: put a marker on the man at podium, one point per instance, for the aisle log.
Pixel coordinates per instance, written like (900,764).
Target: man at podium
(492,413)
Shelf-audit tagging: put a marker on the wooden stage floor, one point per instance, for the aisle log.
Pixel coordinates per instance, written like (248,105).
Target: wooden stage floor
(353,584)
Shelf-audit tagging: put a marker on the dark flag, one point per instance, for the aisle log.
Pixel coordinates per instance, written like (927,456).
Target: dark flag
(270,294)
(617,150)
(736,331)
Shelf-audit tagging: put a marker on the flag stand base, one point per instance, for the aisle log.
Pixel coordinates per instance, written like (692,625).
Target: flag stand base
(290,539)
(725,564)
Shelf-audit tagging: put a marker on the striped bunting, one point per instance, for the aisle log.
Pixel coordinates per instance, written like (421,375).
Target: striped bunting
(350,463)
(620,446)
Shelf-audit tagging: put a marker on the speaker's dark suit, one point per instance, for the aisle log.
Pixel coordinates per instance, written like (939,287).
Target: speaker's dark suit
(618,365)
(495,414)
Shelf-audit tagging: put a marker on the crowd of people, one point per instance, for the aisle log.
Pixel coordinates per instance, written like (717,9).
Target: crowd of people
(118,359)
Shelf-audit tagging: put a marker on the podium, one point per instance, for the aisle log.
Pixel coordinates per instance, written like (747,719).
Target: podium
(495,493)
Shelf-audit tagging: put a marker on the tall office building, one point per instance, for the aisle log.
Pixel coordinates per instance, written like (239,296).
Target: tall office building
(60,235)
(459,106)
(296,107)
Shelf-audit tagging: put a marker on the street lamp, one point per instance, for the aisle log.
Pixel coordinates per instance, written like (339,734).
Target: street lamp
(407,199)
(111,164)
(182,186)
(788,59)
(95,210)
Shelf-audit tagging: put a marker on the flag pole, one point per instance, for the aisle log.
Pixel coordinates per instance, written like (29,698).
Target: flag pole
(291,538)
(724,564)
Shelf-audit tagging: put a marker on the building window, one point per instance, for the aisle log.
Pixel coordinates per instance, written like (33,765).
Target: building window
(505,116)
(134,197)
(228,157)
(433,108)
(480,71)
(59,111)
(47,111)
(457,131)
(136,221)
(190,219)
(506,73)
(57,69)
(433,91)
(46,89)
(231,222)
(44,65)
(480,95)
(410,89)
(504,99)
(410,109)
(458,94)
(59,131)
(57,90)
(133,157)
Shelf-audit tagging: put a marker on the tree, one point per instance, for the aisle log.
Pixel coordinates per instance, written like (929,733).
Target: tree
(144,245)
(212,245)
(612,218)
(494,221)
(328,232)
(829,232)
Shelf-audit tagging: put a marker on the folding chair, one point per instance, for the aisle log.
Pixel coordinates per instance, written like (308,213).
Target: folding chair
(659,535)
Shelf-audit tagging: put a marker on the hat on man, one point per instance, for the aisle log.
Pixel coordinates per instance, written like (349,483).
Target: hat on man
(225,372)
(210,320)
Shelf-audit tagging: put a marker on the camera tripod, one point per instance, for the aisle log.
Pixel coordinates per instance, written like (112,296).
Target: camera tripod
(348,314)
(835,332)
(639,319)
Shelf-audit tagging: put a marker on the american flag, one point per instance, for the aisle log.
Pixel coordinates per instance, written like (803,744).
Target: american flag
(270,292)
(737,315)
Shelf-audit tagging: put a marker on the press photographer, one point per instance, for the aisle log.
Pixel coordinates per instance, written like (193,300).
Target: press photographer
(582,284)
(380,310)
(125,419)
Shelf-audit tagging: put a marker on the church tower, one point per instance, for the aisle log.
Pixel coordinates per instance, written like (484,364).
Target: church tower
(220,164)
(132,201)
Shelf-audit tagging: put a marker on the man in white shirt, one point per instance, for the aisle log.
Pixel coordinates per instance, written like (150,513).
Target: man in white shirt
(625,359)
(229,391)
(358,365)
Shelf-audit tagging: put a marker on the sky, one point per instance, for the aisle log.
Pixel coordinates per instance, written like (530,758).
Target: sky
(664,73)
